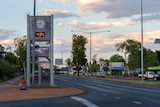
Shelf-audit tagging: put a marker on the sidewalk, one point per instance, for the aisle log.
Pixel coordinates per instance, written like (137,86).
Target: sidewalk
(11,92)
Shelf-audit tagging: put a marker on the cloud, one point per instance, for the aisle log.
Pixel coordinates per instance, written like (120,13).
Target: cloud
(148,18)
(58,13)
(5,39)
(60,24)
(62,46)
(62,1)
(5,34)
(99,25)
(106,43)
(118,8)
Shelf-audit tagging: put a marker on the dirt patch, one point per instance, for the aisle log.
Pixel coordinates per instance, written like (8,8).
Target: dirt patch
(13,93)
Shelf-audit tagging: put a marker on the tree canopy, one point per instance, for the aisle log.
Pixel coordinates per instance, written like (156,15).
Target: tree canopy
(78,50)
(133,49)
(20,44)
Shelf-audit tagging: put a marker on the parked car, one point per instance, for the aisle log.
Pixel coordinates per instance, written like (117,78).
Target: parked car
(87,74)
(150,75)
(101,75)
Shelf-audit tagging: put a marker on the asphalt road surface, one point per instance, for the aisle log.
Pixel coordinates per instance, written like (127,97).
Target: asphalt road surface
(97,93)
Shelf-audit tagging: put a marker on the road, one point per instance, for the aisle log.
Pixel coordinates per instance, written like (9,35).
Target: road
(97,93)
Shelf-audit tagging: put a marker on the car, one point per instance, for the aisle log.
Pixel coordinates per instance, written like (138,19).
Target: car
(149,75)
(87,74)
(101,75)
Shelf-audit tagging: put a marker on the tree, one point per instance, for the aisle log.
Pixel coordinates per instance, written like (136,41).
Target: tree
(128,46)
(104,63)
(149,58)
(11,58)
(69,63)
(1,47)
(78,51)
(1,51)
(133,49)
(116,58)
(94,59)
(20,45)
(7,64)
(6,70)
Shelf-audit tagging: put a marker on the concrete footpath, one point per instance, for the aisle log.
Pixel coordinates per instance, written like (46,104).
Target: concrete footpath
(9,91)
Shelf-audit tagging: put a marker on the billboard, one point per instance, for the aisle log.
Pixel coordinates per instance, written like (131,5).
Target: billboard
(40,51)
(58,61)
(116,65)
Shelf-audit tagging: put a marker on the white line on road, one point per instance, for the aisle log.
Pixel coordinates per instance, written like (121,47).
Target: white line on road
(84,101)
(136,102)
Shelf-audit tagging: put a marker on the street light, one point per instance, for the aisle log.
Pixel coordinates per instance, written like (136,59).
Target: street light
(90,33)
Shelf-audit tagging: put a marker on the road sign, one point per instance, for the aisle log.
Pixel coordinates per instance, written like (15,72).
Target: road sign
(59,61)
(116,65)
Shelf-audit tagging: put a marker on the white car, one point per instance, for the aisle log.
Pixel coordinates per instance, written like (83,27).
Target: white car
(101,75)
(87,74)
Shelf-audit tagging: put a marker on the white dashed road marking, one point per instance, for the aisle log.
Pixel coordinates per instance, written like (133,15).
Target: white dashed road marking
(84,101)
(136,102)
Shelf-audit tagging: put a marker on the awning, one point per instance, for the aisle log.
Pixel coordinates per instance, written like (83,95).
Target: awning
(154,68)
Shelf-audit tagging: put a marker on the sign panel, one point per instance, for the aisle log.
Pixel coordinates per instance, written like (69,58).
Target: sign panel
(40,34)
(41,51)
(43,25)
(58,61)
(116,65)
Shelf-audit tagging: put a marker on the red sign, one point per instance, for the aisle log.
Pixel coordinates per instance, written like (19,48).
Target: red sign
(40,34)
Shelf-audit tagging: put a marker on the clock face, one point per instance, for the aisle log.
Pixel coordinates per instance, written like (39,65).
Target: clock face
(40,23)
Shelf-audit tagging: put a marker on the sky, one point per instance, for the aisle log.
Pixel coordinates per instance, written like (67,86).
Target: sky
(121,17)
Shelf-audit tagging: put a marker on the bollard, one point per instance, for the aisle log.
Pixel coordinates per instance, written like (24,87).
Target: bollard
(22,84)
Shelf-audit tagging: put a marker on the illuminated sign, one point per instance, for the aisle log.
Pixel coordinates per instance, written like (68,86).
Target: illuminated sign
(40,34)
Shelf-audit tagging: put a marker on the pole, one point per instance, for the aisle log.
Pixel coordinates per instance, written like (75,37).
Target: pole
(28,53)
(52,54)
(142,71)
(90,52)
(33,56)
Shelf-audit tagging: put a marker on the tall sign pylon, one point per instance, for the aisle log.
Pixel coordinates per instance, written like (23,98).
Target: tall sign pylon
(39,29)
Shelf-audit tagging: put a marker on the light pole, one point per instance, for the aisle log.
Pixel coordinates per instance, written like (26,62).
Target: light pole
(142,71)
(90,34)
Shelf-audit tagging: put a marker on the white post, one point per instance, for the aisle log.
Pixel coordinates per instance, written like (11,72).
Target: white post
(51,54)
(39,73)
(90,53)
(28,53)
